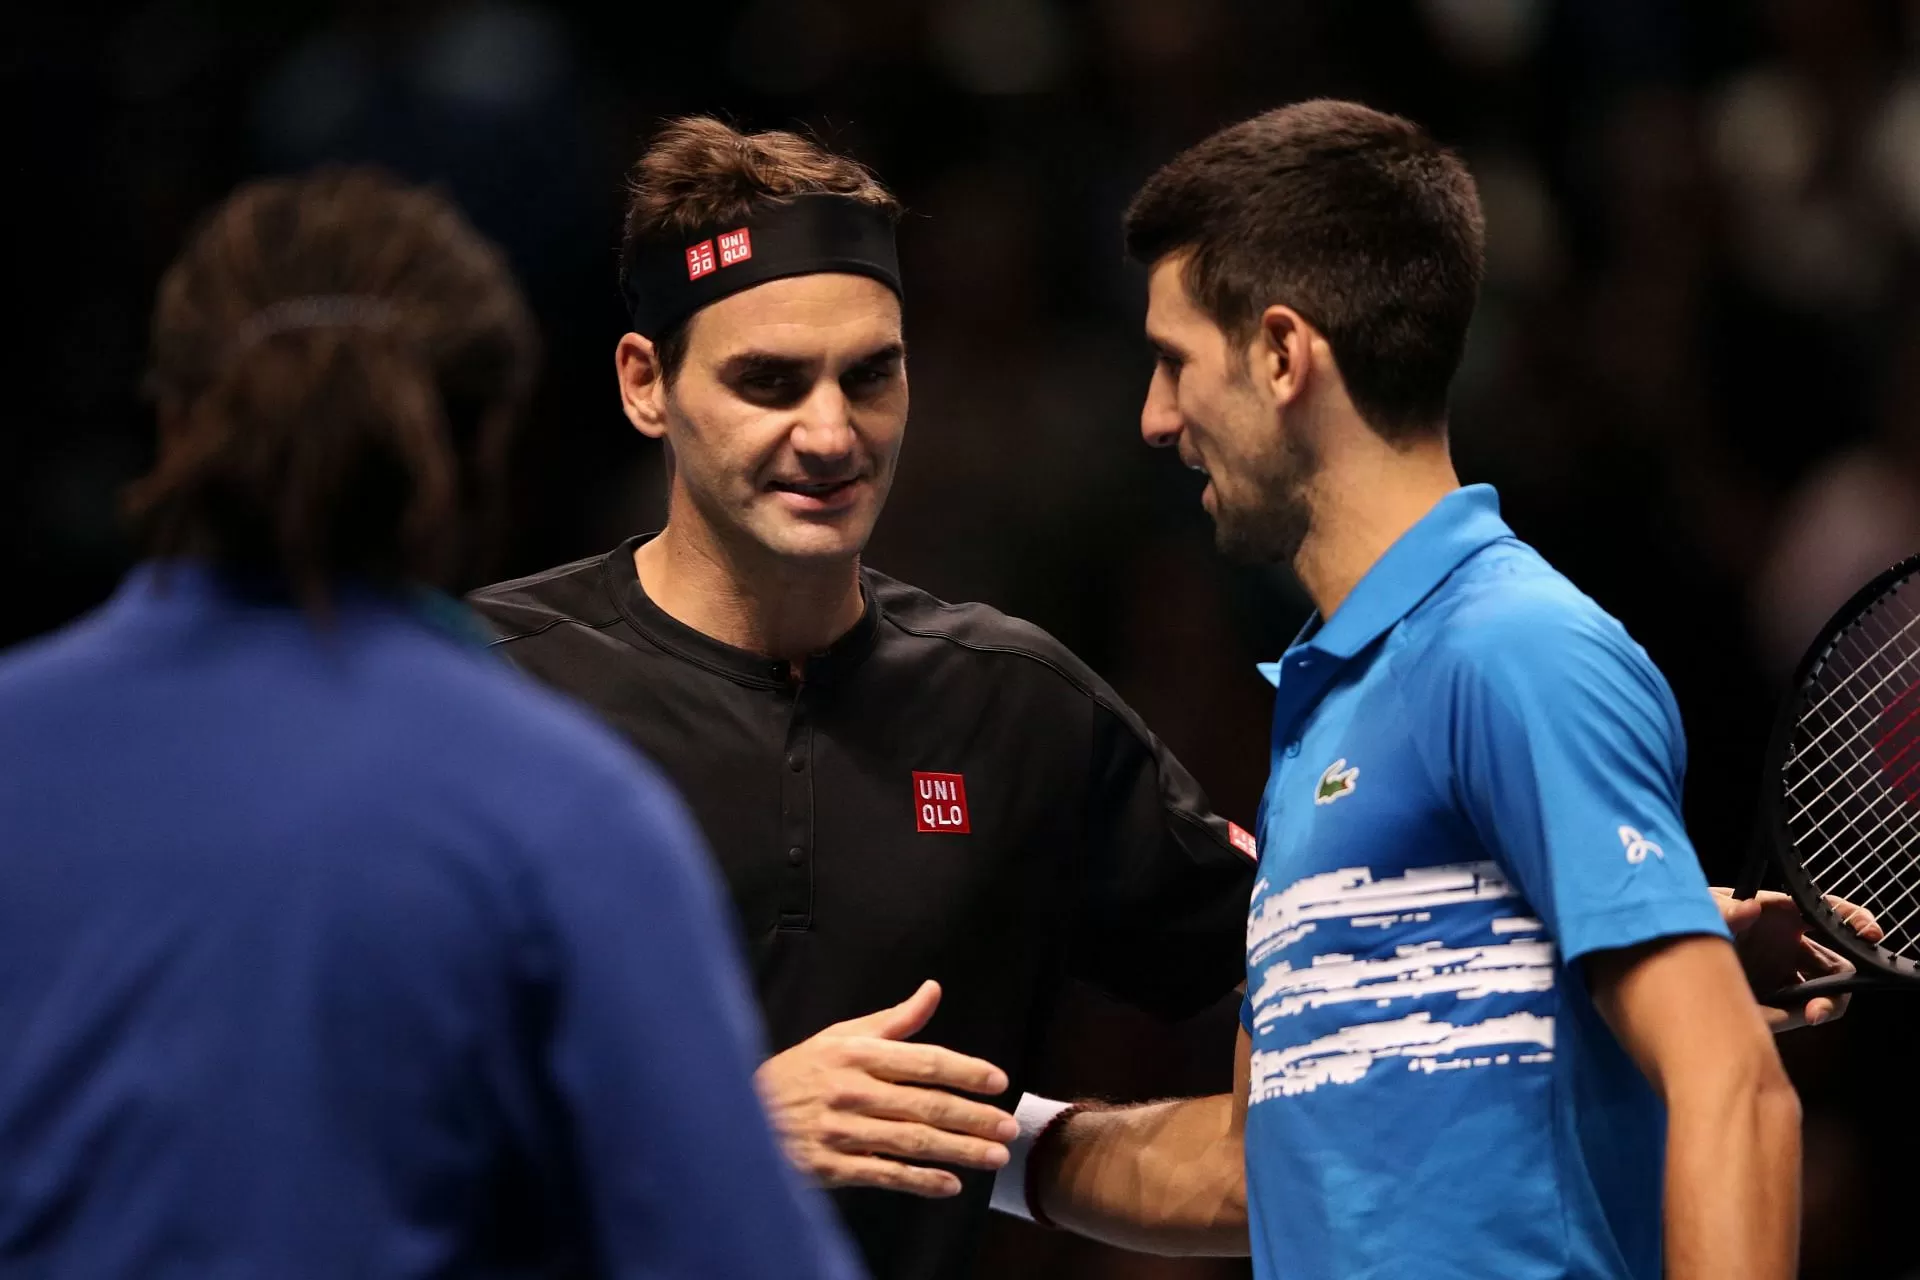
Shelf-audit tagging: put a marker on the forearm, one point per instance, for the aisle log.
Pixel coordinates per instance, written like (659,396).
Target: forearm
(1167,1177)
(1733,1181)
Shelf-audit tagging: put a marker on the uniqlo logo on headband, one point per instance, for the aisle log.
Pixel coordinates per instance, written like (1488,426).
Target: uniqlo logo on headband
(940,803)
(700,260)
(735,246)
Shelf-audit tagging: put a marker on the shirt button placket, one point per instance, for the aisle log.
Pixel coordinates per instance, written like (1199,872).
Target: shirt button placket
(796,820)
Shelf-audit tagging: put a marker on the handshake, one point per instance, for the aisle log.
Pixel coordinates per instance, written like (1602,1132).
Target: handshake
(857,1105)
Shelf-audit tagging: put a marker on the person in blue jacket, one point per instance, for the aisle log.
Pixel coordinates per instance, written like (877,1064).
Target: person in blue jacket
(330,946)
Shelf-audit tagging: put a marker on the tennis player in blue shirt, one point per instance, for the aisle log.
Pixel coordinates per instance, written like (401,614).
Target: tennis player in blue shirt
(1493,1023)
(329,946)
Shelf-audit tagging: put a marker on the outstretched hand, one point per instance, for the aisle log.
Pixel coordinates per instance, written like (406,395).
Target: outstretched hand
(1774,948)
(854,1103)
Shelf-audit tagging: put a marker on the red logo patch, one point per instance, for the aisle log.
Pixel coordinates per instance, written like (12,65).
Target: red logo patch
(735,246)
(1242,839)
(940,803)
(700,260)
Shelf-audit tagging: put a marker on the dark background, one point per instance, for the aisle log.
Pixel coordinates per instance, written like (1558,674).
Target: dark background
(1691,376)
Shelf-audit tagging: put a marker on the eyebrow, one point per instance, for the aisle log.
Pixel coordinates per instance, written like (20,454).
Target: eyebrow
(767,363)
(1167,350)
(750,364)
(887,354)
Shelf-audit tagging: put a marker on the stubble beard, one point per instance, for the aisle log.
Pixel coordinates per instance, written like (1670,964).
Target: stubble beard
(1273,526)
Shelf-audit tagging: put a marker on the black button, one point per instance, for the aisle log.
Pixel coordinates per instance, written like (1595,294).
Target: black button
(796,856)
(796,762)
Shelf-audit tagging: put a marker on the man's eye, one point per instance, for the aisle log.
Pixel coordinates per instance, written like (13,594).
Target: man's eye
(1170,364)
(867,380)
(773,387)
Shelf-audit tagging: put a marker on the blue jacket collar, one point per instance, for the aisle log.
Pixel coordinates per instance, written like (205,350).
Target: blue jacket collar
(1460,524)
(190,586)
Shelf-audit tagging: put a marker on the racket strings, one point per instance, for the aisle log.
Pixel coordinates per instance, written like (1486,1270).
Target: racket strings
(1837,760)
(1851,782)
(1897,666)
(1857,822)
(1858,845)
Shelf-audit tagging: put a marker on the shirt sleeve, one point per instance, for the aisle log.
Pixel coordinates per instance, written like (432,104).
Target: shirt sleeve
(1567,756)
(1164,916)
(651,1052)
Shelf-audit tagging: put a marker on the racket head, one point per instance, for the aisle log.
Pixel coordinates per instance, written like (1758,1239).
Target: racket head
(1840,808)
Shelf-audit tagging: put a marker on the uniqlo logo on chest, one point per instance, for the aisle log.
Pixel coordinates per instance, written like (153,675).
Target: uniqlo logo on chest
(940,803)
(735,246)
(700,260)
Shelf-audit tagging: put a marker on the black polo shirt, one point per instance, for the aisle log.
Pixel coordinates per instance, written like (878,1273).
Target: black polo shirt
(948,793)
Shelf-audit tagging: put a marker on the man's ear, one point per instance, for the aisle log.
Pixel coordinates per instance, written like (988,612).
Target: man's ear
(1280,356)
(643,385)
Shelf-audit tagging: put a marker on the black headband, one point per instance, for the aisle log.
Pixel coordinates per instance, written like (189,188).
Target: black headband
(668,280)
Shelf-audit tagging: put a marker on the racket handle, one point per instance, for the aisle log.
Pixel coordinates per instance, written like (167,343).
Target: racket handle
(1755,869)
(1832,984)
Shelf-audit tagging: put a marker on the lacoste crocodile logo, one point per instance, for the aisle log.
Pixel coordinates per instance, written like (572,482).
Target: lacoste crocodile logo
(1337,781)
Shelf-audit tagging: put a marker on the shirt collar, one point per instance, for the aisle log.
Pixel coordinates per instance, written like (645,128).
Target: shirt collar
(676,637)
(1419,560)
(190,586)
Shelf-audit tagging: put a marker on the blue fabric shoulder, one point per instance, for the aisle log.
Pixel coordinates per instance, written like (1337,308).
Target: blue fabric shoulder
(1560,742)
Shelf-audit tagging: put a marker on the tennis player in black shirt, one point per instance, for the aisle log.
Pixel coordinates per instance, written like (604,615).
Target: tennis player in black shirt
(900,792)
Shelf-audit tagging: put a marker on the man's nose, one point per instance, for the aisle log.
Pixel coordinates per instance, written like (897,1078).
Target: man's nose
(1160,414)
(825,425)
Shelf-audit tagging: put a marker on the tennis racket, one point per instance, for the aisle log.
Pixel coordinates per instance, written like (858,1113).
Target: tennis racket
(1840,806)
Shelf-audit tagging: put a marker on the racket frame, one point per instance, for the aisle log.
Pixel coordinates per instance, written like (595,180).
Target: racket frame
(1875,966)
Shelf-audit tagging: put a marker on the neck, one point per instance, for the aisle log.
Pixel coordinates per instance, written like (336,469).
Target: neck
(1363,502)
(740,594)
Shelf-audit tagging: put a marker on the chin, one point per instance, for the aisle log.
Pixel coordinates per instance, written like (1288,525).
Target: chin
(823,540)
(1261,538)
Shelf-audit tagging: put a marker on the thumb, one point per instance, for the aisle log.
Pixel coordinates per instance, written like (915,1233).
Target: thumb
(900,1021)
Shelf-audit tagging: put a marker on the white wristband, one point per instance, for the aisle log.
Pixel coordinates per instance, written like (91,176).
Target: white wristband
(1034,1114)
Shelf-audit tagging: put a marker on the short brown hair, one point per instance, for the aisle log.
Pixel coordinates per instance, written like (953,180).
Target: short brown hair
(1357,219)
(339,360)
(699,171)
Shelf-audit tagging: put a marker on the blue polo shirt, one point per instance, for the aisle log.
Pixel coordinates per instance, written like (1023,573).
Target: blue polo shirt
(347,951)
(1476,781)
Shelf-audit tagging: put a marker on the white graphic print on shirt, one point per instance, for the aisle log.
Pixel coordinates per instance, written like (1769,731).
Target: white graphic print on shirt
(1436,906)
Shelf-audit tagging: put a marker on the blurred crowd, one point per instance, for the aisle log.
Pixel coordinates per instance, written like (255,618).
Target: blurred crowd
(1695,374)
